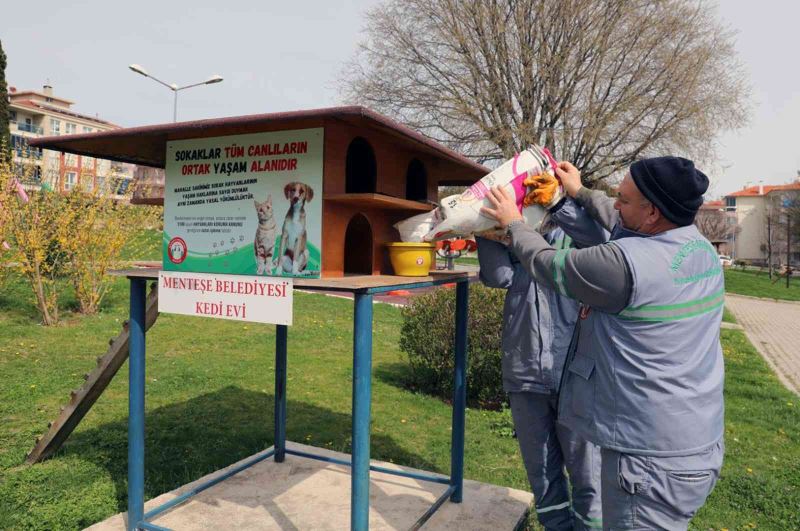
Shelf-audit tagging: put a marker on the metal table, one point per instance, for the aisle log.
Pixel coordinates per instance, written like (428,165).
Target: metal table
(363,288)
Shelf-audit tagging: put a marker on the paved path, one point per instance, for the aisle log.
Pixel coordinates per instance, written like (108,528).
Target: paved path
(773,327)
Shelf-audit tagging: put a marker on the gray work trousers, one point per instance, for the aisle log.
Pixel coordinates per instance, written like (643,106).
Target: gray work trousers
(547,447)
(643,492)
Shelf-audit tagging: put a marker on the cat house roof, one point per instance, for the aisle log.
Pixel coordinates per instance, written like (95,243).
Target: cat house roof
(147,145)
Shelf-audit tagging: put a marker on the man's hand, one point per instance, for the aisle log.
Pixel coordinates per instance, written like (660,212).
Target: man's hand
(505,209)
(570,177)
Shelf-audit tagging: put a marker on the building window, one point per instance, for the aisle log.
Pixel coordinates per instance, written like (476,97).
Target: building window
(12,115)
(18,143)
(87,129)
(730,202)
(70,180)
(55,126)
(71,128)
(101,183)
(71,160)
(122,186)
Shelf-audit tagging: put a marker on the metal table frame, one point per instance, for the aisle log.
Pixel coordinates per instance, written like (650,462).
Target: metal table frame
(362,383)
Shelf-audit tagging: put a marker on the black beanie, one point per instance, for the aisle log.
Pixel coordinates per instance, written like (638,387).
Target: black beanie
(673,185)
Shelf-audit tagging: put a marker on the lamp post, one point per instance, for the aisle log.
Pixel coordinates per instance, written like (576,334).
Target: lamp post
(173,87)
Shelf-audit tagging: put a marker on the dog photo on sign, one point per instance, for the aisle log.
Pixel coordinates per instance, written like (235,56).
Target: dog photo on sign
(293,255)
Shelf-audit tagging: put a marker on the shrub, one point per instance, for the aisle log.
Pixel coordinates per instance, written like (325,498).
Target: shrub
(78,234)
(427,337)
(98,225)
(29,227)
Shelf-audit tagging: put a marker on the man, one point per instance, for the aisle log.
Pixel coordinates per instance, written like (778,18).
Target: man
(537,327)
(645,373)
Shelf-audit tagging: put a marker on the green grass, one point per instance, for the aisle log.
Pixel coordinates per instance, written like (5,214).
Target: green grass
(144,246)
(727,316)
(210,397)
(758,284)
(760,482)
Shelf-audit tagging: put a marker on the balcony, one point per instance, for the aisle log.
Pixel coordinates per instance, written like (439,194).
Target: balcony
(30,128)
(28,153)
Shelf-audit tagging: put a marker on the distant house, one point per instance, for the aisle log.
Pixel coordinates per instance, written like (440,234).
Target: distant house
(34,114)
(753,206)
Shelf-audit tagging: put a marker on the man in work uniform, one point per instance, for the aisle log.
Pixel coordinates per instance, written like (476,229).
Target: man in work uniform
(537,327)
(645,373)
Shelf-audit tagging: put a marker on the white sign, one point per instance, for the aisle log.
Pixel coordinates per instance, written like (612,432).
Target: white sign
(234,297)
(245,204)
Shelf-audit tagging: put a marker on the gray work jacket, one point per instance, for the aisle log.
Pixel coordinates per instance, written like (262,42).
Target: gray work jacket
(537,321)
(645,375)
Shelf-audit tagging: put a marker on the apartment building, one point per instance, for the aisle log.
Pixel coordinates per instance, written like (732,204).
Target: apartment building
(41,113)
(752,205)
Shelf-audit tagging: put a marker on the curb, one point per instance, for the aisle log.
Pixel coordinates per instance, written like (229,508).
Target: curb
(731,326)
(770,299)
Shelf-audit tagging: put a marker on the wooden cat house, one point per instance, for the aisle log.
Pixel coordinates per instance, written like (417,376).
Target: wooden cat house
(372,172)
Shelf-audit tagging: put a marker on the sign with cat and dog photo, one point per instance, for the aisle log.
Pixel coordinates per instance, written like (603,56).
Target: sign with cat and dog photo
(244,204)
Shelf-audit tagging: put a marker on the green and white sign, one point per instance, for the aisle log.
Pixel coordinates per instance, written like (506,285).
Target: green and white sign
(245,204)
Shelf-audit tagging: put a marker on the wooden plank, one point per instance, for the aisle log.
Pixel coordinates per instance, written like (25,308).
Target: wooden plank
(345,283)
(82,399)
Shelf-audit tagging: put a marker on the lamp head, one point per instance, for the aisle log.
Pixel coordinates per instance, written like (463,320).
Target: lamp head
(213,79)
(138,69)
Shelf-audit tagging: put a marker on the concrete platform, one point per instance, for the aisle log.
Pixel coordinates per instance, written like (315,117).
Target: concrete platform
(305,493)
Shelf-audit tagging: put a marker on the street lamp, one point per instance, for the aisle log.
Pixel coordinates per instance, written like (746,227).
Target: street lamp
(173,87)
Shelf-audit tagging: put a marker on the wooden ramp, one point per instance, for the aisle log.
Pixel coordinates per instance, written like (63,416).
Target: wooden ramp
(82,400)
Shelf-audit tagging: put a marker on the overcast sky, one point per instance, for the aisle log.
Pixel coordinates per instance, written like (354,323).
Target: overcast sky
(277,56)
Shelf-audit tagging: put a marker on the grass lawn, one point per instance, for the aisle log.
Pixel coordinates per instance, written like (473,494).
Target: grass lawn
(144,246)
(758,284)
(727,316)
(210,398)
(469,259)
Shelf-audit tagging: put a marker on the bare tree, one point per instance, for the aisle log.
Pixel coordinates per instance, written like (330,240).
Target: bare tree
(772,223)
(601,82)
(715,225)
(783,223)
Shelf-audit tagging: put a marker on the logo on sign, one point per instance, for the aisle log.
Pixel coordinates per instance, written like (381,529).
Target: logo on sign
(420,261)
(176,250)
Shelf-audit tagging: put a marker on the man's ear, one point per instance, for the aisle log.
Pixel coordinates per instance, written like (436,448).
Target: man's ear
(655,214)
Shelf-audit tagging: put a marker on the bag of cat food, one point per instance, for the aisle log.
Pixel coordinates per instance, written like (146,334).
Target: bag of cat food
(529,177)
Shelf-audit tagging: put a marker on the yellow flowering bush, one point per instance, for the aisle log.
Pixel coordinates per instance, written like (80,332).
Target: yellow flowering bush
(29,223)
(78,235)
(97,225)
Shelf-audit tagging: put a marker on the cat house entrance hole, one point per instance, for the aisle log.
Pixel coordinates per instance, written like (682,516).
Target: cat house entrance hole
(416,181)
(358,246)
(361,168)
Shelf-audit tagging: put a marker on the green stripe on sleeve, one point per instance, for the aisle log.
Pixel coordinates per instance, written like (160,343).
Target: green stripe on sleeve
(559,271)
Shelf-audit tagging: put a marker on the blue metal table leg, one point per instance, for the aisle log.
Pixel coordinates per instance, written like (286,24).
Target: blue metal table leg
(280,392)
(362,381)
(136,403)
(459,393)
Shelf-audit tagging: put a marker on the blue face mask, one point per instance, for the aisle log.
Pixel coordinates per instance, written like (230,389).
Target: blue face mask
(619,232)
